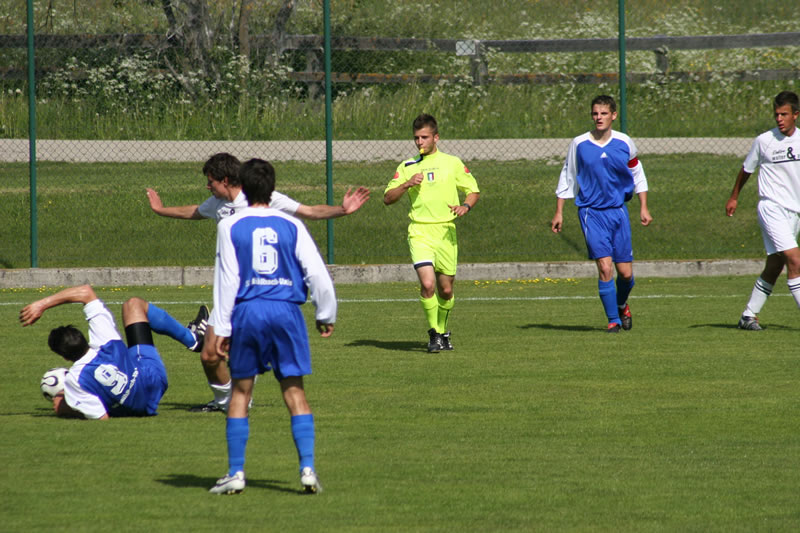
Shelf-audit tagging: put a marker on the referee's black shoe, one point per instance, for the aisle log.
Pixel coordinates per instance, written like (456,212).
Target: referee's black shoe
(445,338)
(435,343)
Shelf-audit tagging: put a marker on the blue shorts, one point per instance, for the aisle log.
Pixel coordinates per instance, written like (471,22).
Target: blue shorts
(152,374)
(267,333)
(607,233)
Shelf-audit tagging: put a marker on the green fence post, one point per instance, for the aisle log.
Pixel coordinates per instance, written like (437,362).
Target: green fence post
(328,122)
(32,136)
(623,87)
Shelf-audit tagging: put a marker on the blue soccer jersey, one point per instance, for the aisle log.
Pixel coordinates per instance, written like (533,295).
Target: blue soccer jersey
(112,378)
(601,176)
(267,255)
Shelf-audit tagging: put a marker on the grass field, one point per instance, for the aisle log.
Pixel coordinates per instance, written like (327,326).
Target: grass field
(98,215)
(538,421)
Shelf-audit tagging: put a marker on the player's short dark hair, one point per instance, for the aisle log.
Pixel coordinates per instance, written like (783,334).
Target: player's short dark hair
(221,166)
(787,98)
(425,120)
(604,99)
(68,342)
(258,181)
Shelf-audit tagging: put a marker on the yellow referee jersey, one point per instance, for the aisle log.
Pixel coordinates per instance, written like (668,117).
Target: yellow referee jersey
(444,176)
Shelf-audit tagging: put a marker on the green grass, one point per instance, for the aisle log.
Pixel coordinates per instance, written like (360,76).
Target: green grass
(98,215)
(538,421)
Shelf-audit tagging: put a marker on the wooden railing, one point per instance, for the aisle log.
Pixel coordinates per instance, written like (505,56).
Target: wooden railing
(475,50)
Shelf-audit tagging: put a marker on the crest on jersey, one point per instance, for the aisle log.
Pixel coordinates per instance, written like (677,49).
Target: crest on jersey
(430,176)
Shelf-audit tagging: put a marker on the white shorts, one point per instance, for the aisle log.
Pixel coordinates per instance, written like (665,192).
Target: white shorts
(779,227)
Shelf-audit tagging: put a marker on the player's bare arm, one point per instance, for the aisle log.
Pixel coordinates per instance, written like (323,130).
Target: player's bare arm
(187,212)
(466,206)
(32,312)
(325,330)
(733,201)
(351,203)
(558,218)
(395,194)
(644,213)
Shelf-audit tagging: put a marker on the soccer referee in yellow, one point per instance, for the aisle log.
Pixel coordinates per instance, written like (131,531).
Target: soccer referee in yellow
(433,181)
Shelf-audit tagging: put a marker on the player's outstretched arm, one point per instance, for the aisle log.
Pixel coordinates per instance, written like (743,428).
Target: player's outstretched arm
(32,312)
(187,212)
(352,202)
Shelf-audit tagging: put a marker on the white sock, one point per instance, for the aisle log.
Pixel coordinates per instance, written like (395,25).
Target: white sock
(222,393)
(761,291)
(794,287)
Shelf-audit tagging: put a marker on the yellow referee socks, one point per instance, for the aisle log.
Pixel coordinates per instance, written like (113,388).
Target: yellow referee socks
(445,306)
(431,308)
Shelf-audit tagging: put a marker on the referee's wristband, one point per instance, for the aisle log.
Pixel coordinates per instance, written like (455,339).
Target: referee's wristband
(469,207)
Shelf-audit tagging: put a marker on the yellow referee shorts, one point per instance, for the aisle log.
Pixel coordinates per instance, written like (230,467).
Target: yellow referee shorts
(434,244)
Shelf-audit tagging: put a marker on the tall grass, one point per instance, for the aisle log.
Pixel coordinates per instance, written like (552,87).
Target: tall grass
(105,95)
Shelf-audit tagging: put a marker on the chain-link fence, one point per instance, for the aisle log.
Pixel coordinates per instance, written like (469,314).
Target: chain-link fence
(137,95)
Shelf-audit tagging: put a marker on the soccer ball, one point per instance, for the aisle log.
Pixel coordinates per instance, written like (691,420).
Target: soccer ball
(53,382)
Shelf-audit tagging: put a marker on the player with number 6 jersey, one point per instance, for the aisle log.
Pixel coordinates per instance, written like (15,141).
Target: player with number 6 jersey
(267,263)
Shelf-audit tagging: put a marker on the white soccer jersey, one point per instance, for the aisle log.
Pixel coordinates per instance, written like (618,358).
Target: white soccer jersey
(778,159)
(219,208)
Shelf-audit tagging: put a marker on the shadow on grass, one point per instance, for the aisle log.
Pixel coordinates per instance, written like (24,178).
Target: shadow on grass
(178,406)
(396,346)
(734,326)
(39,412)
(190,480)
(559,327)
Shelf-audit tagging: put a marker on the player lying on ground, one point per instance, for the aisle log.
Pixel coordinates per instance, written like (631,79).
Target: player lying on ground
(108,378)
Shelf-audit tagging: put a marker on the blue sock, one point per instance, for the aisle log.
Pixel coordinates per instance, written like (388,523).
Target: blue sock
(608,295)
(303,435)
(162,322)
(237,431)
(624,287)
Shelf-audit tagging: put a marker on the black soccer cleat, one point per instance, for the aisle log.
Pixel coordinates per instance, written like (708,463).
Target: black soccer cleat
(625,316)
(445,338)
(613,327)
(198,328)
(749,323)
(435,343)
(210,407)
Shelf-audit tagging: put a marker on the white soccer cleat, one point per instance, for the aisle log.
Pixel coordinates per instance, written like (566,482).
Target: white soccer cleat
(310,481)
(229,484)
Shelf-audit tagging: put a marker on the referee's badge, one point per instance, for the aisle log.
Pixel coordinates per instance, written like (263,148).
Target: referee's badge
(430,176)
